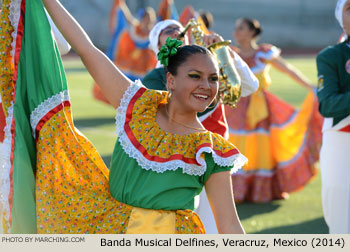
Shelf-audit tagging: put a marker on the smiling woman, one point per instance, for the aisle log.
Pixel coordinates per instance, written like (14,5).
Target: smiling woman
(192,81)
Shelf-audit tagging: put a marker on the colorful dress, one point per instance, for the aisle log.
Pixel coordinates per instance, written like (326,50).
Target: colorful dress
(154,175)
(281,144)
(129,50)
(54,181)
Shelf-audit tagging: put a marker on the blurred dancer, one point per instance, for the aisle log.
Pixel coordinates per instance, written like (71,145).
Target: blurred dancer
(333,65)
(281,144)
(129,48)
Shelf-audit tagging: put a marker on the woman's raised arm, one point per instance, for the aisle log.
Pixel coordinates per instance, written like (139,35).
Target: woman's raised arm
(294,73)
(111,80)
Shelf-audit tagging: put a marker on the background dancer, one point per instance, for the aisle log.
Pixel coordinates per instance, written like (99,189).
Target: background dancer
(281,144)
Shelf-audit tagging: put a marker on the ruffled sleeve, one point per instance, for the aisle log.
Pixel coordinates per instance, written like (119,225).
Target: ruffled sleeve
(157,150)
(268,52)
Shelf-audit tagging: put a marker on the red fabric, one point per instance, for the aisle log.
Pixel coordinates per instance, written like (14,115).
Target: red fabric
(345,129)
(20,30)
(2,124)
(186,15)
(47,117)
(164,10)
(217,123)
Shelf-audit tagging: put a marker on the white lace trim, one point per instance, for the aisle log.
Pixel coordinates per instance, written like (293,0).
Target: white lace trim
(237,160)
(5,168)
(124,103)
(5,148)
(45,107)
(15,13)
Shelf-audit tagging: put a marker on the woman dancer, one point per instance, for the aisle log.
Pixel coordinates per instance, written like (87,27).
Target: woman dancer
(213,119)
(280,143)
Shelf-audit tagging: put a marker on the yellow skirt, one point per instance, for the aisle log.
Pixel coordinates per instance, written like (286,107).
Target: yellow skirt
(72,191)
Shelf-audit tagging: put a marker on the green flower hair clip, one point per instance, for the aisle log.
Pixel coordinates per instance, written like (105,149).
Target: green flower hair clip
(168,50)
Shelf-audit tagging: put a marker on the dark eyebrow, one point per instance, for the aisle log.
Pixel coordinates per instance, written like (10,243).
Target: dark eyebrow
(201,72)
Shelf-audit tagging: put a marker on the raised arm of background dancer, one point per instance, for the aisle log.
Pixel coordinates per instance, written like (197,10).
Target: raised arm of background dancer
(294,73)
(249,82)
(110,79)
(220,196)
(112,17)
(129,17)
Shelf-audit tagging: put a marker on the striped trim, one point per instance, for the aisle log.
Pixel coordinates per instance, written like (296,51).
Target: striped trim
(262,130)
(132,147)
(46,109)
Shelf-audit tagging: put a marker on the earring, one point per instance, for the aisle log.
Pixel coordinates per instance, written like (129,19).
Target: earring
(170,92)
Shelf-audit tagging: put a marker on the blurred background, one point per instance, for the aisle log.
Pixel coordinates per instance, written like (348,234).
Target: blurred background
(300,27)
(298,24)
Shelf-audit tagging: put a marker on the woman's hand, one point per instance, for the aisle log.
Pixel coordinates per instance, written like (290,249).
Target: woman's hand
(212,38)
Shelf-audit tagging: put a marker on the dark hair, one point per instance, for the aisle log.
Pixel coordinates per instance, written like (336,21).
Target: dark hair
(253,25)
(207,18)
(183,53)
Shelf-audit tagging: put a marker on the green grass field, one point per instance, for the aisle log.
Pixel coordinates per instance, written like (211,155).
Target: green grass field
(300,214)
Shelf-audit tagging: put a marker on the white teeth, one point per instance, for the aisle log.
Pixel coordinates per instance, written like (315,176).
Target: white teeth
(201,96)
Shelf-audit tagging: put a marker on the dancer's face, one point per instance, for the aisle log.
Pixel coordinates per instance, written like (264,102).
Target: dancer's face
(172,31)
(196,83)
(346,17)
(242,32)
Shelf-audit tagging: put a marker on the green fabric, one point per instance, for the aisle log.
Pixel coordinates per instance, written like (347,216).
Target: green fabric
(40,76)
(171,190)
(156,80)
(334,93)
(168,50)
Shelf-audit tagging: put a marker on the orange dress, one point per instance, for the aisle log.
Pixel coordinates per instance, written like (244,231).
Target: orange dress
(129,50)
(281,143)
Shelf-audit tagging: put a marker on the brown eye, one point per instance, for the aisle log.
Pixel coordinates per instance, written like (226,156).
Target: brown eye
(213,78)
(194,76)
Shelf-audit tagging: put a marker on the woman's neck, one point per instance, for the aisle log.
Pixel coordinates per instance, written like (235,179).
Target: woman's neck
(248,48)
(174,120)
